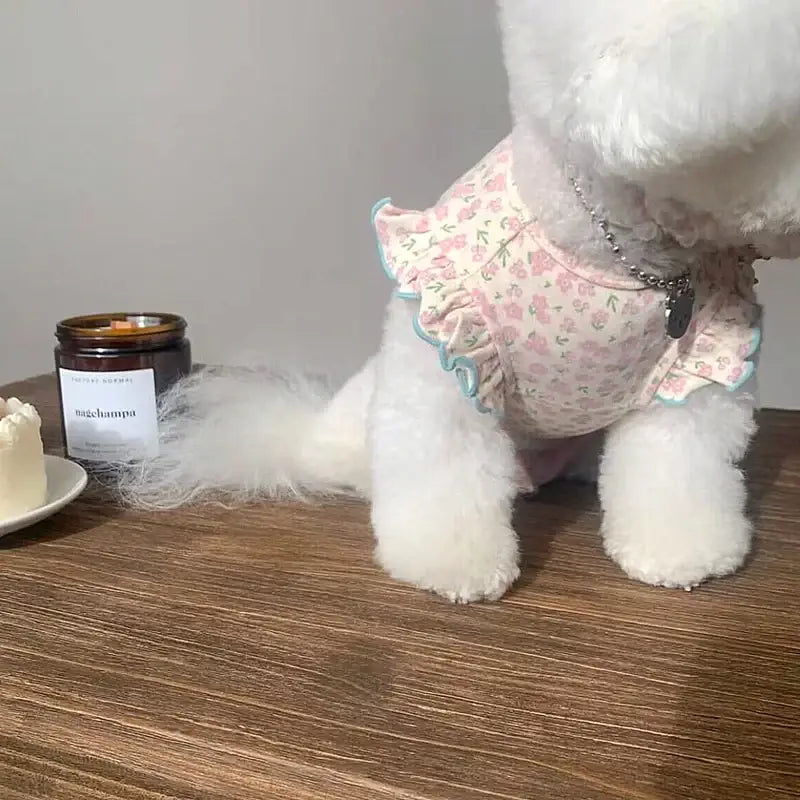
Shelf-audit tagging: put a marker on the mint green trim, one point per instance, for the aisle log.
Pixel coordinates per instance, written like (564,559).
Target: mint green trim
(670,402)
(755,346)
(463,367)
(381,255)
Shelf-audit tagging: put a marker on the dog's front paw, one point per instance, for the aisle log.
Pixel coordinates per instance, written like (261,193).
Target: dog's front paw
(678,547)
(464,561)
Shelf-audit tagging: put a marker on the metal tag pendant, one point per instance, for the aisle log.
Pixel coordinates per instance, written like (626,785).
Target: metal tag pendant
(680,307)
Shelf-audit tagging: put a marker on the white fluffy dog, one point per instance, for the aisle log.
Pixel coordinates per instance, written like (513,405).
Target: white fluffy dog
(591,277)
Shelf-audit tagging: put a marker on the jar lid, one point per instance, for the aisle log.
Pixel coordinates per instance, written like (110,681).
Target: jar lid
(120,325)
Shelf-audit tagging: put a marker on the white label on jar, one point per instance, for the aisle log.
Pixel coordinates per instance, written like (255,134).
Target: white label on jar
(109,416)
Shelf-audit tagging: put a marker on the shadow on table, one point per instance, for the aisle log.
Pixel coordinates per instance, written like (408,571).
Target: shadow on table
(736,720)
(555,509)
(93,508)
(735,725)
(774,444)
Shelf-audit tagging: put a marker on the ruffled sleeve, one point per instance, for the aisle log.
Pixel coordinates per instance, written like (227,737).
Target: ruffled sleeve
(722,353)
(431,254)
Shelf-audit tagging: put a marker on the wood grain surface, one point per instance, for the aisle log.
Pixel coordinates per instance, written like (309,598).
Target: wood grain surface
(221,654)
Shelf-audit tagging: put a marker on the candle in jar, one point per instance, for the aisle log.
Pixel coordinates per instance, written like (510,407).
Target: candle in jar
(111,370)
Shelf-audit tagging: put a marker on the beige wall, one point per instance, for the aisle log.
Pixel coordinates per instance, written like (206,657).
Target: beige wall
(219,158)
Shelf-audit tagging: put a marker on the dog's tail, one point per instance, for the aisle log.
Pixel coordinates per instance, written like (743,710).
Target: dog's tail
(234,435)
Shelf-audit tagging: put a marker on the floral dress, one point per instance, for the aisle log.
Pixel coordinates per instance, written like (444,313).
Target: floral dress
(561,346)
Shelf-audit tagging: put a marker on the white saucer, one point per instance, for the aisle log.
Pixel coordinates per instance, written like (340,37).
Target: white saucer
(65,481)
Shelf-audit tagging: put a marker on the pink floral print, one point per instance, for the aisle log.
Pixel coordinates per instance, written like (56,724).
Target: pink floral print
(538,344)
(539,308)
(513,311)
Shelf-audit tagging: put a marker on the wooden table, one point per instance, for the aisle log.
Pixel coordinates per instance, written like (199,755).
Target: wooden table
(259,653)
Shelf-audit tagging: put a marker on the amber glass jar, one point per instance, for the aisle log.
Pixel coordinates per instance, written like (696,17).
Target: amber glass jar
(111,369)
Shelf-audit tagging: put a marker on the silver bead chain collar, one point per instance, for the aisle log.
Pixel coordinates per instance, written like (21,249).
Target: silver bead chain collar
(656,281)
(680,300)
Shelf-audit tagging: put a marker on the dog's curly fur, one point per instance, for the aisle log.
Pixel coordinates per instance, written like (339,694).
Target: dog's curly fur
(683,118)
